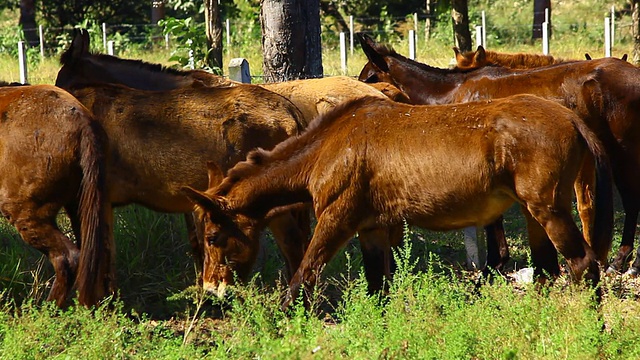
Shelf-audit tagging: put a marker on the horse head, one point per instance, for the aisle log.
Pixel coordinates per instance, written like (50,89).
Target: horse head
(470,59)
(230,239)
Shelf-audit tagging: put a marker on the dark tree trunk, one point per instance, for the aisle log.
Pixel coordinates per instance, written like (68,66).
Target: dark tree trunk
(539,7)
(157,11)
(291,39)
(636,31)
(429,9)
(213,26)
(28,22)
(460,18)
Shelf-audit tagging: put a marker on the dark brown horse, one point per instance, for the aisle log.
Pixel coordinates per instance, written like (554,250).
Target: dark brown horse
(374,163)
(52,156)
(603,92)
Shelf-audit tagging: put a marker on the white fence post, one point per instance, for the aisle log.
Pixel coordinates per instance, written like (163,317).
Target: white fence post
(545,38)
(415,27)
(228,27)
(412,44)
(484,30)
(479,36)
(613,26)
(343,53)
(110,47)
(41,33)
(166,41)
(104,36)
(607,38)
(239,70)
(22,59)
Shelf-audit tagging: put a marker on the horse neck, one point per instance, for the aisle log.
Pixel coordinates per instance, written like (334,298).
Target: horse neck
(424,84)
(139,76)
(278,182)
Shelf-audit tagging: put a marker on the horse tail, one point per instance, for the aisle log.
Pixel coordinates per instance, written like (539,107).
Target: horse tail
(603,225)
(93,280)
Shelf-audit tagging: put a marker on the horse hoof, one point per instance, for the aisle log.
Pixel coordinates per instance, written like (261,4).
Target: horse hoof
(633,272)
(612,271)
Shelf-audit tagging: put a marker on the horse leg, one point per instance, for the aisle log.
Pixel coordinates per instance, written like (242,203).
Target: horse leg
(497,248)
(628,235)
(291,232)
(471,247)
(332,232)
(567,239)
(37,227)
(377,257)
(584,189)
(634,270)
(544,255)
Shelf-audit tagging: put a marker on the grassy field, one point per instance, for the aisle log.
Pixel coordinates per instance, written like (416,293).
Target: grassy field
(433,310)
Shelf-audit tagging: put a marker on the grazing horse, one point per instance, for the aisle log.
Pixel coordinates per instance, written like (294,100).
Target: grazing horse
(605,93)
(312,97)
(162,140)
(52,156)
(374,163)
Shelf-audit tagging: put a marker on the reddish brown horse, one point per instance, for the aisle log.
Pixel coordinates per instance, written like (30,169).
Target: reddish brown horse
(603,92)
(374,163)
(52,155)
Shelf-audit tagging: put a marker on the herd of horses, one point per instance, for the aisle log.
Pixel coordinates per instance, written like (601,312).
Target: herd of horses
(437,148)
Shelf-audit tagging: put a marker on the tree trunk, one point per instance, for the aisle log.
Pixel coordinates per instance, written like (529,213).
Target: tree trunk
(636,31)
(460,17)
(28,22)
(539,7)
(213,27)
(291,39)
(429,22)
(157,11)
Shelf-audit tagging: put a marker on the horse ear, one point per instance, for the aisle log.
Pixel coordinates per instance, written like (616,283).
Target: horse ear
(214,205)
(624,57)
(587,56)
(370,50)
(480,56)
(215,174)
(80,43)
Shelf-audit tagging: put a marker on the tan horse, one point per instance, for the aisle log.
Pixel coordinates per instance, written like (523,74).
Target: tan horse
(474,59)
(52,155)
(374,163)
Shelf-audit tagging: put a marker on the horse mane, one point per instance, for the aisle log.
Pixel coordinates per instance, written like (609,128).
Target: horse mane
(259,157)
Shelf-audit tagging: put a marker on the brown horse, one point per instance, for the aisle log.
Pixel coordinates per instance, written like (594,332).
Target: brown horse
(603,92)
(312,97)
(162,140)
(52,155)
(474,59)
(374,163)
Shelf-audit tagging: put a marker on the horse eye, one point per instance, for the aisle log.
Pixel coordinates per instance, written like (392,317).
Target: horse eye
(212,238)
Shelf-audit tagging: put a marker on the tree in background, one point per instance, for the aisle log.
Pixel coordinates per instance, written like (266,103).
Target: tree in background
(291,45)
(213,29)
(27,21)
(460,19)
(539,7)
(636,31)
